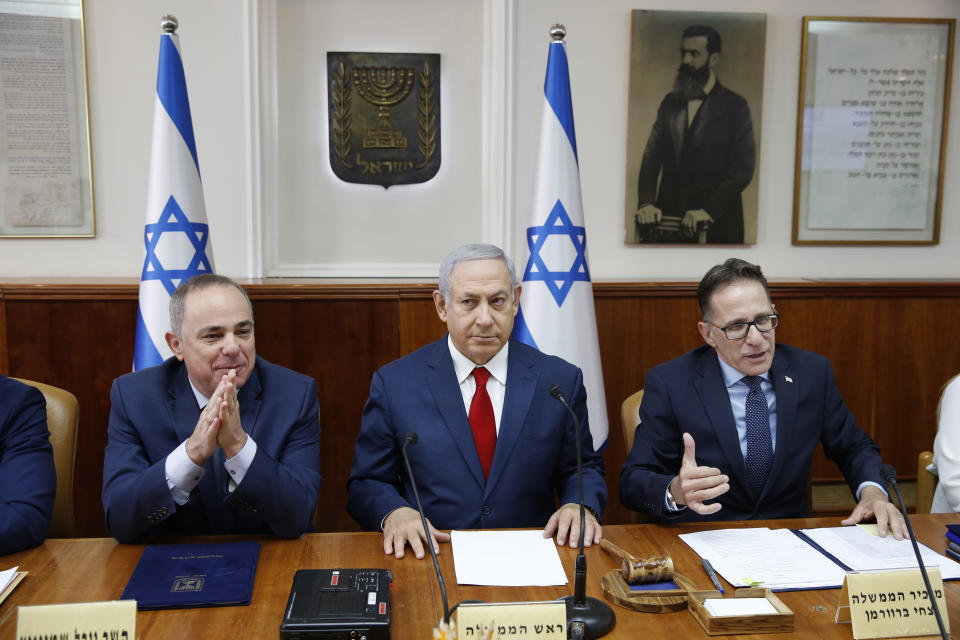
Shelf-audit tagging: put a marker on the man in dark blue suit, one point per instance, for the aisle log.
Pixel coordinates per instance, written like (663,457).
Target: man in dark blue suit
(215,439)
(28,479)
(727,431)
(494,449)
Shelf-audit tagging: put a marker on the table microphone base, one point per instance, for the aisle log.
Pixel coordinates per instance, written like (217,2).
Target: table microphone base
(597,616)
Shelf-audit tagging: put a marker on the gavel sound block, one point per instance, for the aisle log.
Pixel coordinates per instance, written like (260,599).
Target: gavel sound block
(634,570)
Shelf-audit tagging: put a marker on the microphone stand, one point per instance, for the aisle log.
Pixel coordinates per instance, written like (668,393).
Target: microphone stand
(889,474)
(411,438)
(586,617)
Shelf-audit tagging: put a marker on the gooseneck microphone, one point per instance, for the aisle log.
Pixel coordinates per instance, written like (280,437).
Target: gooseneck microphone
(411,438)
(889,475)
(586,617)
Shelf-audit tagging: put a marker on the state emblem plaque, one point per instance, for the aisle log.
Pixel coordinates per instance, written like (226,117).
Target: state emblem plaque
(384,116)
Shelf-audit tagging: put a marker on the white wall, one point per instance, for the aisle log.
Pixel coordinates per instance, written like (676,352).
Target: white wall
(598,44)
(219,44)
(123,40)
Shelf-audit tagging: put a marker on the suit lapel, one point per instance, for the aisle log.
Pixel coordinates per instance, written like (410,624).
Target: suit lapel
(441,379)
(184,410)
(787,393)
(678,126)
(716,403)
(250,401)
(521,384)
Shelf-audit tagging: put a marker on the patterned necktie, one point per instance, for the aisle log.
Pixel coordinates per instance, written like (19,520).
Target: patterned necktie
(482,422)
(759,445)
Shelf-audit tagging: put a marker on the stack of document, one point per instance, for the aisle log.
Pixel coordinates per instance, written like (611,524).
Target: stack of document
(9,579)
(774,558)
(786,560)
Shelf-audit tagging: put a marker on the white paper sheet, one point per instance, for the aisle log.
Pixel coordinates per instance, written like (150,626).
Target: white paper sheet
(506,558)
(739,607)
(861,550)
(6,577)
(775,559)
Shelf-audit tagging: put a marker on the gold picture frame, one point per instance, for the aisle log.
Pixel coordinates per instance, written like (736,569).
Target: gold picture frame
(872,130)
(46,177)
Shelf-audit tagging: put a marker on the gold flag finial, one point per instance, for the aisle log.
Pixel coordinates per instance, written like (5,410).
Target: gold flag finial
(169,24)
(557,32)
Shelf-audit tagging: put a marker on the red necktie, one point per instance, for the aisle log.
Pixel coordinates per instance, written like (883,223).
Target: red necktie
(482,422)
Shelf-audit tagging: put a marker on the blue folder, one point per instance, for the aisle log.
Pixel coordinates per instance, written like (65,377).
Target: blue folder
(178,576)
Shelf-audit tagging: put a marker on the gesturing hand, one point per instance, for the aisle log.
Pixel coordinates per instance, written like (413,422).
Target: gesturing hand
(695,484)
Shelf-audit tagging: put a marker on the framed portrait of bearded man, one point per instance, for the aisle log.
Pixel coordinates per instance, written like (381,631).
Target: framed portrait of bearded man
(693,127)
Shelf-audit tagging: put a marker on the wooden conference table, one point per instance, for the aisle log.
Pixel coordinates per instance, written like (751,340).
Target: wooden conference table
(91,569)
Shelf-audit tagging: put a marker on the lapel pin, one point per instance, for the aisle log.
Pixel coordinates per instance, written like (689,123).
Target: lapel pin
(788,379)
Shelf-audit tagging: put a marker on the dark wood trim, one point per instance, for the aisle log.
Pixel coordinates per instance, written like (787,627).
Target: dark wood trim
(887,340)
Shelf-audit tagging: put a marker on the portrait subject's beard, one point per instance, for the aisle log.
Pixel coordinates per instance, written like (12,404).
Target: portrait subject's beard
(690,82)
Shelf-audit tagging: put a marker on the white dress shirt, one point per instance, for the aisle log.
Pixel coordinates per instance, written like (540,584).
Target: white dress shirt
(496,383)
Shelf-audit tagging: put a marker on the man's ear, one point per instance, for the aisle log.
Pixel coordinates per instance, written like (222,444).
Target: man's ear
(713,60)
(441,304)
(516,299)
(173,341)
(704,329)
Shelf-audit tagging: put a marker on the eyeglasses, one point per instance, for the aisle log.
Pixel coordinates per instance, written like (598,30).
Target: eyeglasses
(739,330)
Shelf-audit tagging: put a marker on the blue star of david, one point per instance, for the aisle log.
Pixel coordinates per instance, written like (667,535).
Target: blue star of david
(558,282)
(174,220)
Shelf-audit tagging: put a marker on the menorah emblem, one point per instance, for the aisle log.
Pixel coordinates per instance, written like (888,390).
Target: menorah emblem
(398,141)
(384,87)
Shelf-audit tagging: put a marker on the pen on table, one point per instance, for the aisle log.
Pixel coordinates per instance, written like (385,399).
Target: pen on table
(713,574)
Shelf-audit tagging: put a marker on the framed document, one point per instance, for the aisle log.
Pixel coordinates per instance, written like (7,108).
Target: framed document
(874,99)
(46,187)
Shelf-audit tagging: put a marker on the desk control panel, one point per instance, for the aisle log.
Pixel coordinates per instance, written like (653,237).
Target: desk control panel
(338,604)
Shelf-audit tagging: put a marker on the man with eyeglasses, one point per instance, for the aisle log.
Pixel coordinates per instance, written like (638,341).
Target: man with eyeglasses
(728,430)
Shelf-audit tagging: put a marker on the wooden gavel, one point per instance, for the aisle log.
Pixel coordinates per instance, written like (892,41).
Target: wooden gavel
(638,570)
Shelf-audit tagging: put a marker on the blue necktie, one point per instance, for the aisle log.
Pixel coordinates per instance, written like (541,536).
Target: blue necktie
(759,444)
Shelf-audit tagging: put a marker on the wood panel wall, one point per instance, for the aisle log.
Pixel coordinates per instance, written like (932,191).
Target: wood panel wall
(892,344)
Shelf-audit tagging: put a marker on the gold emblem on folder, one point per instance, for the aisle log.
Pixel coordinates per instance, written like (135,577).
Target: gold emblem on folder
(187,583)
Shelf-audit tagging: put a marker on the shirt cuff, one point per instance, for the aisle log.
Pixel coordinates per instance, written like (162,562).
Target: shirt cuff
(670,503)
(237,465)
(183,475)
(870,484)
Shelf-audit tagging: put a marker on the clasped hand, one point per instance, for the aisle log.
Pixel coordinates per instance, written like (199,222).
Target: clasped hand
(219,424)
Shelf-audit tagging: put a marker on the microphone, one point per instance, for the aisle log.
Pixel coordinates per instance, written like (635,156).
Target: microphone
(586,617)
(889,475)
(409,439)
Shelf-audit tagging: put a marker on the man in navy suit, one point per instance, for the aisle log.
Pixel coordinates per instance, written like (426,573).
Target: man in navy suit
(499,454)
(28,479)
(215,439)
(700,154)
(727,431)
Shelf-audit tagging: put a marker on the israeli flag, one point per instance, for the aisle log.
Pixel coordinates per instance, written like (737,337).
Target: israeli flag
(556,305)
(176,236)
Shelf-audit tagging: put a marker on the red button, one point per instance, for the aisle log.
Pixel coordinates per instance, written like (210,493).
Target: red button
(383,608)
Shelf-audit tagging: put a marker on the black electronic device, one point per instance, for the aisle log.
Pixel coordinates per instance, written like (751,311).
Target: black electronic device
(338,604)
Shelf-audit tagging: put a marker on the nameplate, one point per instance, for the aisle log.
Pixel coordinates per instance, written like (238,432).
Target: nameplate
(115,620)
(891,604)
(512,620)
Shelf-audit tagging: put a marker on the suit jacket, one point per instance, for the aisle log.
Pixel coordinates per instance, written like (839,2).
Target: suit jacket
(28,478)
(154,410)
(534,464)
(705,166)
(688,394)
